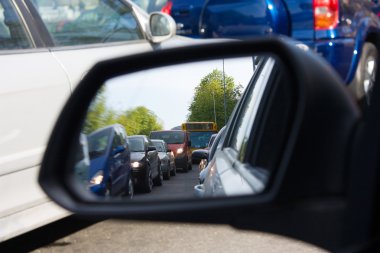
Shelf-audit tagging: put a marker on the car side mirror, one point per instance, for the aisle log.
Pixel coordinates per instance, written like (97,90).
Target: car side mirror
(282,167)
(161,27)
(151,148)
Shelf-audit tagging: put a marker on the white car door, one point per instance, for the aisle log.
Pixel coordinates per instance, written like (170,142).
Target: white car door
(33,90)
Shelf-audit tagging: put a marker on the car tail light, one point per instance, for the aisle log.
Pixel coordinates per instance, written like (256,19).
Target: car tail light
(326,14)
(167,7)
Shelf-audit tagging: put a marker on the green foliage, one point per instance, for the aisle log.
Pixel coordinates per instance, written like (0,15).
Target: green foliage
(139,120)
(210,87)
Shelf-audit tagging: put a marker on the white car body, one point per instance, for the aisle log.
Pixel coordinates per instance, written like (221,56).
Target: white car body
(35,84)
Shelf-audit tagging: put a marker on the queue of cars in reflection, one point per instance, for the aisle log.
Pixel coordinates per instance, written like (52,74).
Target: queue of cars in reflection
(120,164)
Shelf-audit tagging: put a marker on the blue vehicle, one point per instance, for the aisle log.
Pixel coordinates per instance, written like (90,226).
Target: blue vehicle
(110,171)
(341,31)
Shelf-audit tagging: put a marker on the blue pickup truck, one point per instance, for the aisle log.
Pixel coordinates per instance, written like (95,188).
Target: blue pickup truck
(342,31)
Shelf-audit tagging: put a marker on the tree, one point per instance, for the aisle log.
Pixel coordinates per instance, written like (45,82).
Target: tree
(139,120)
(210,88)
(98,115)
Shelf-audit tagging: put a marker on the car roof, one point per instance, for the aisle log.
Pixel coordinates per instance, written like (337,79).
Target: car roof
(157,140)
(138,136)
(162,131)
(114,126)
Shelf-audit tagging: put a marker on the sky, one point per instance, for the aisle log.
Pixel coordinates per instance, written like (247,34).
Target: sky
(168,91)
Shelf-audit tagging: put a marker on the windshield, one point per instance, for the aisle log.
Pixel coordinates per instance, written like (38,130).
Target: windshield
(98,143)
(136,144)
(200,139)
(87,22)
(169,137)
(159,146)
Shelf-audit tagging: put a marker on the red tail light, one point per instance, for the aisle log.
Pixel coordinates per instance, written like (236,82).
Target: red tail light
(167,8)
(326,14)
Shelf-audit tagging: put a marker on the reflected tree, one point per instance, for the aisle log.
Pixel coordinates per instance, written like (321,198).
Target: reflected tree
(139,120)
(210,92)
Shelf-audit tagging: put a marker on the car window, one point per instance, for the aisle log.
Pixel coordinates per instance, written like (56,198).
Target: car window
(151,5)
(159,146)
(136,144)
(12,31)
(169,137)
(88,22)
(200,139)
(97,143)
(244,122)
(117,140)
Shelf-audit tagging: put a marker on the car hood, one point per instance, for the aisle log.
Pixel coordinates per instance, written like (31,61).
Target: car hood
(137,156)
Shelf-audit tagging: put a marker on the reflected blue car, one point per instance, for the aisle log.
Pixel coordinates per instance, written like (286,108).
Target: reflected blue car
(110,171)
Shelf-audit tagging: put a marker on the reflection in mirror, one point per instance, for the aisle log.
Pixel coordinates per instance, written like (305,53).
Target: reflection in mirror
(172,132)
(159,25)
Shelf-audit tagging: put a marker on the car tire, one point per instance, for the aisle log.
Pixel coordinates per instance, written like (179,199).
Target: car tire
(189,166)
(108,192)
(167,174)
(173,172)
(160,177)
(148,181)
(130,189)
(362,84)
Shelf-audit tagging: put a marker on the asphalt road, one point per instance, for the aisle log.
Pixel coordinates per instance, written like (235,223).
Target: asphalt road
(133,236)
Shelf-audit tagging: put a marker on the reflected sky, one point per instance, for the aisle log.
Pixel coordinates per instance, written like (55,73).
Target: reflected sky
(168,91)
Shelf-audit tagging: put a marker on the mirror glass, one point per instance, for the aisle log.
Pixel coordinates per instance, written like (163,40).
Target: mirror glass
(182,131)
(159,25)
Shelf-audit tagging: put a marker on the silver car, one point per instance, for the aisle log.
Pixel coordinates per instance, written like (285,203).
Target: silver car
(167,158)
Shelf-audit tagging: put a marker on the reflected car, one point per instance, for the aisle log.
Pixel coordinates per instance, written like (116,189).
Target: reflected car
(199,154)
(205,164)
(145,162)
(178,141)
(167,158)
(219,177)
(110,171)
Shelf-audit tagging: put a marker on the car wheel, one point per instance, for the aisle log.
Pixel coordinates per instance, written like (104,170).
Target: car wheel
(148,181)
(173,172)
(160,177)
(365,75)
(131,189)
(107,193)
(167,174)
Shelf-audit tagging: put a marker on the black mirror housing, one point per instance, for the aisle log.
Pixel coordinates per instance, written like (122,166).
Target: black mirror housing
(324,116)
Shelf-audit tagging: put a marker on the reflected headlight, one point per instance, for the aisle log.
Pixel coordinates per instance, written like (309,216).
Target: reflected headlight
(135,164)
(180,151)
(97,178)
